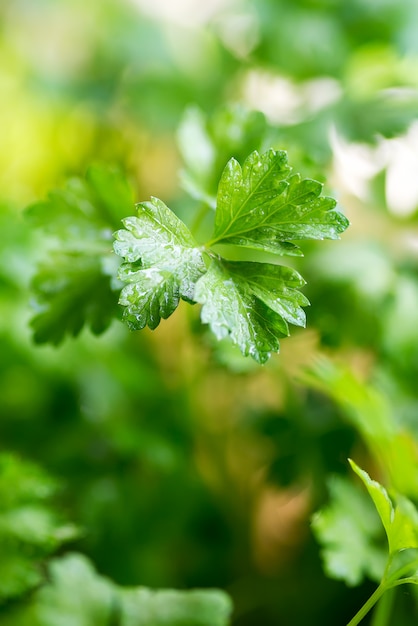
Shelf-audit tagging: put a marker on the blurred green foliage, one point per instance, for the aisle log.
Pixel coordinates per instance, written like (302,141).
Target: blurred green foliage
(76,595)
(181,464)
(30,529)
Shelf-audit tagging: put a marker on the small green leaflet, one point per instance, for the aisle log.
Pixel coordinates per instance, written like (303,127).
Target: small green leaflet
(350,533)
(163,264)
(252,303)
(400,521)
(262,205)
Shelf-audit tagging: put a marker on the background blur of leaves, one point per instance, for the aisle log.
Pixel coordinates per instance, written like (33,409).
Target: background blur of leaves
(184,465)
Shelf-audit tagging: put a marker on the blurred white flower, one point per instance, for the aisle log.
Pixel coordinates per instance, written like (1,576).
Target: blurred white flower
(190,13)
(402,173)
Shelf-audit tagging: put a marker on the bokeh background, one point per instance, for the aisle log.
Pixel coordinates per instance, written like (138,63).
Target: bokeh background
(184,464)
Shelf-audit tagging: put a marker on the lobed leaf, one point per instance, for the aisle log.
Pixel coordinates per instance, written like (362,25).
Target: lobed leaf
(73,286)
(251,303)
(162,265)
(263,206)
(72,290)
(400,522)
(349,531)
(259,206)
(86,211)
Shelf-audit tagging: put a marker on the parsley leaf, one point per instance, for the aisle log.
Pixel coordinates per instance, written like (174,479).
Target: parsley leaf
(350,534)
(400,521)
(163,264)
(72,289)
(86,211)
(262,205)
(75,284)
(252,303)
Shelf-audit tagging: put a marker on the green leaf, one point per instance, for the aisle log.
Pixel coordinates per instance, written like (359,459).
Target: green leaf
(251,303)
(75,285)
(86,211)
(350,533)
(379,496)
(263,206)
(113,196)
(72,289)
(404,530)
(400,522)
(162,265)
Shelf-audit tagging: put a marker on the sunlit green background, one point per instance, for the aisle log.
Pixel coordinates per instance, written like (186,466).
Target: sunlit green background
(183,464)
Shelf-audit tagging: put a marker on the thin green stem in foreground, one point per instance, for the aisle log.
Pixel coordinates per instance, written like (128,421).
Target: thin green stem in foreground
(387,583)
(376,595)
(382,613)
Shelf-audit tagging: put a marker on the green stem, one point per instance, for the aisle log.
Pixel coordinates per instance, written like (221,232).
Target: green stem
(368,605)
(382,614)
(403,581)
(396,577)
(387,583)
(209,253)
(211,243)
